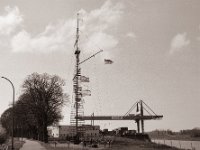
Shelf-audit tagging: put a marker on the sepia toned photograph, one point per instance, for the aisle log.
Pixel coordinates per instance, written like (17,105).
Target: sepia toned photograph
(99,74)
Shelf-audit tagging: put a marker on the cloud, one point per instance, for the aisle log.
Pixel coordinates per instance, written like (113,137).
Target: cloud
(95,30)
(98,23)
(131,35)
(54,37)
(104,40)
(10,21)
(178,42)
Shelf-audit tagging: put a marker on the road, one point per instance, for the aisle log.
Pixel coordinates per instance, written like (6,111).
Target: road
(32,145)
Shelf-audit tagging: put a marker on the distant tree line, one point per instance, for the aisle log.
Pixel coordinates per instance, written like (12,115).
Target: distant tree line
(182,134)
(193,133)
(161,132)
(37,107)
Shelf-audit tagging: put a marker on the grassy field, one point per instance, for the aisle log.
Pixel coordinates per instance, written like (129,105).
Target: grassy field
(130,144)
(17,144)
(118,144)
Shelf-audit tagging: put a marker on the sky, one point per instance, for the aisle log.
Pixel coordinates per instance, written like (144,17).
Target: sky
(154,46)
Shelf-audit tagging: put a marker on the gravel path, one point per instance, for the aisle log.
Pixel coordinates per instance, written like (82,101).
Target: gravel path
(32,145)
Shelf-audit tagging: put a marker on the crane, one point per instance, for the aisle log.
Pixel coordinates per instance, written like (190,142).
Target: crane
(139,118)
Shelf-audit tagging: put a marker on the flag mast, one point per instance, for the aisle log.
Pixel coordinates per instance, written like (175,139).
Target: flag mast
(77,75)
(77,89)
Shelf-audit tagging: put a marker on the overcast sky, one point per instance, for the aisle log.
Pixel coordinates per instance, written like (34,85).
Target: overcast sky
(154,45)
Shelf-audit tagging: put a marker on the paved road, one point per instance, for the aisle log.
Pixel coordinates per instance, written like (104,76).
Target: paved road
(32,145)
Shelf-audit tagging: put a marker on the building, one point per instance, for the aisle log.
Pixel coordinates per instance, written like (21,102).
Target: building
(90,132)
(130,132)
(61,131)
(67,131)
(120,131)
(53,131)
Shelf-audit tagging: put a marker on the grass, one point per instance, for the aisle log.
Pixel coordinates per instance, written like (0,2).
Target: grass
(51,147)
(64,146)
(119,143)
(129,144)
(17,144)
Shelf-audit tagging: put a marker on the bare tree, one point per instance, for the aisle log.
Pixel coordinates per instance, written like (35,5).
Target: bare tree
(38,107)
(46,100)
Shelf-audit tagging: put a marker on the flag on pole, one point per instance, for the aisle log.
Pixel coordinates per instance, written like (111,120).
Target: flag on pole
(78,90)
(84,79)
(76,42)
(78,99)
(108,61)
(78,105)
(86,93)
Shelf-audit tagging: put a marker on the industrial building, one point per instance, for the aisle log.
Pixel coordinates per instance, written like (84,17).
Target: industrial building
(120,131)
(65,132)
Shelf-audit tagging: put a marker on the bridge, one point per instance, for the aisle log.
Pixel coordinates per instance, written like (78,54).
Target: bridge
(139,118)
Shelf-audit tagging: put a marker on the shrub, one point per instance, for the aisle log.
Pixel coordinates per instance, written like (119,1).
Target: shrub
(3,138)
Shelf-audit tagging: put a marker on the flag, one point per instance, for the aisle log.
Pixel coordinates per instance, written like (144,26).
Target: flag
(79,89)
(84,79)
(108,61)
(78,99)
(86,93)
(75,42)
(75,76)
(77,38)
(78,105)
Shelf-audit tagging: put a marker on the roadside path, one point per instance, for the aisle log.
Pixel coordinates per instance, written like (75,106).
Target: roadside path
(32,145)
